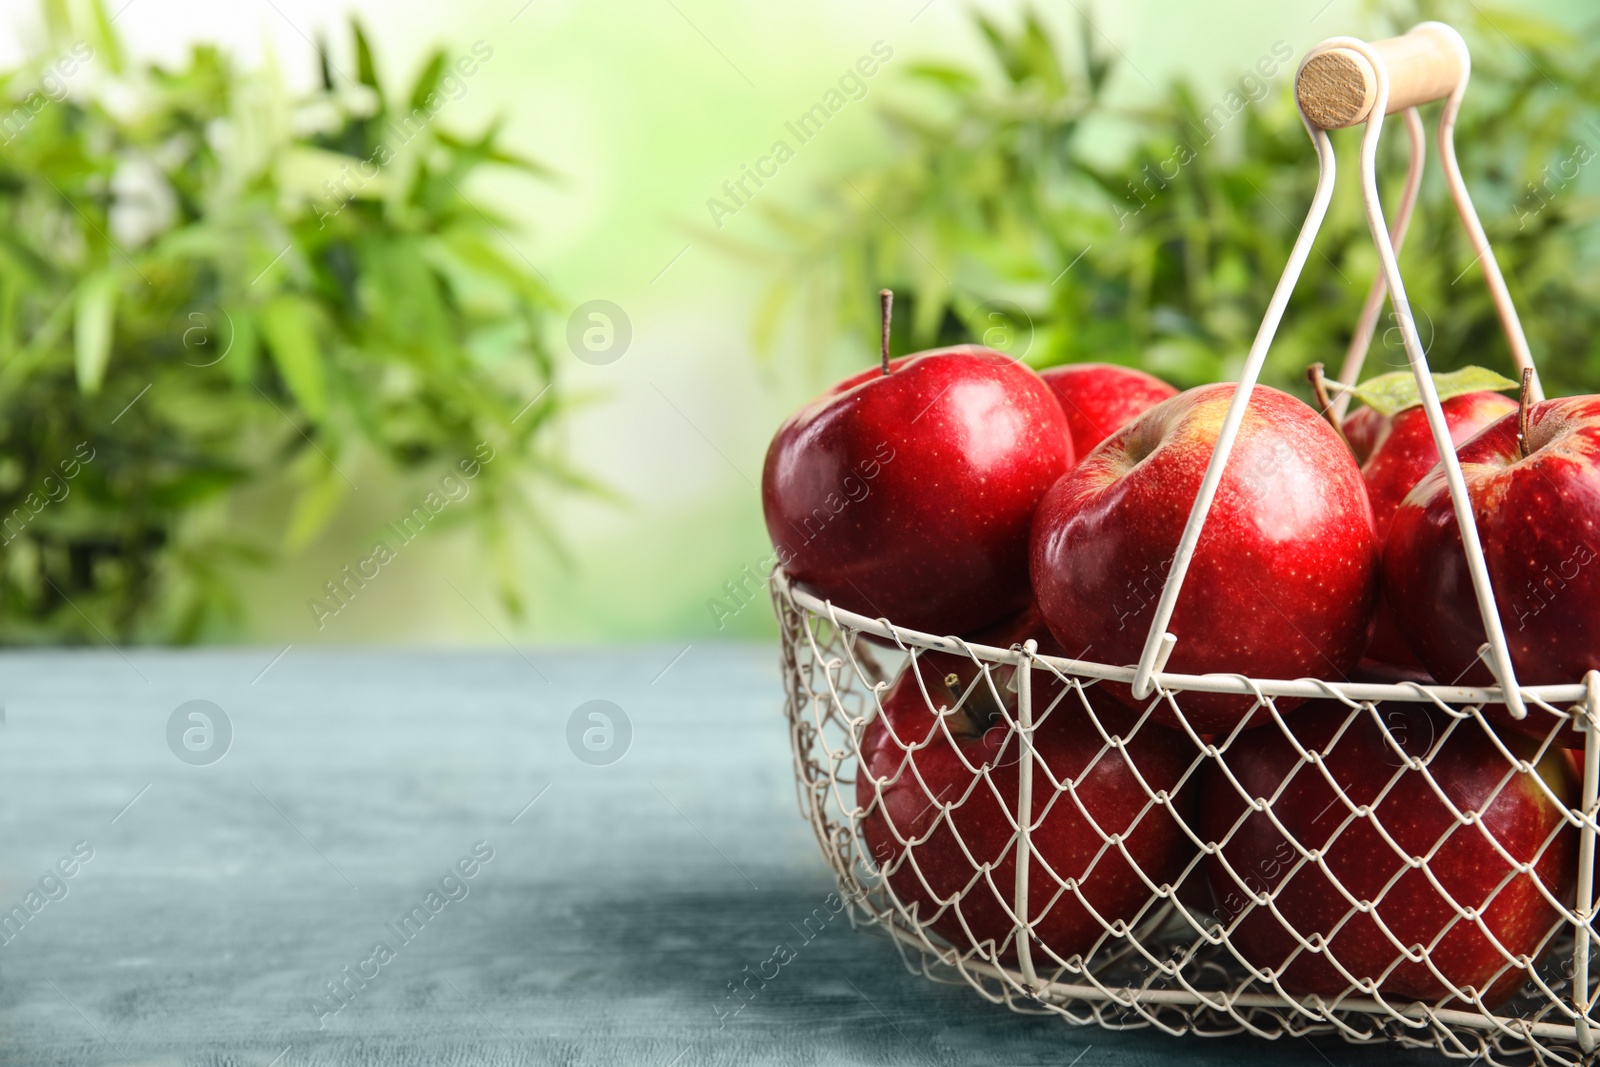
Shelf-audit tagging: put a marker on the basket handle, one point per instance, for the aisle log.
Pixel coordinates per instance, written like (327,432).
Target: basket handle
(1355,354)
(1338,87)
(1159,642)
(1338,84)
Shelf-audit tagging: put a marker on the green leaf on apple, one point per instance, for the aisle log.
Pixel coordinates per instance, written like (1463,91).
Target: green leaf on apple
(1390,394)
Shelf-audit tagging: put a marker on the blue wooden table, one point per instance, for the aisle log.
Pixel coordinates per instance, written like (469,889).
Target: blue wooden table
(421,858)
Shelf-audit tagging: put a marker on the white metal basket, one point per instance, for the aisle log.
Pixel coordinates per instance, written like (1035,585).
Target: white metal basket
(1178,960)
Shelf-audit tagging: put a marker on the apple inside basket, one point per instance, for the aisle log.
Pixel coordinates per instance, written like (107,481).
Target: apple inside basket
(1296,808)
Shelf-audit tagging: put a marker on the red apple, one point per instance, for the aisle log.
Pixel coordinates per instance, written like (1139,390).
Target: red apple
(1537,518)
(1100,398)
(964,758)
(1395,451)
(1283,584)
(1460,867)
(906,492)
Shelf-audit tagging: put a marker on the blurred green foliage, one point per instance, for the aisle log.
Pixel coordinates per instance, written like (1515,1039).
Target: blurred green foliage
(1165,255)
(236,301)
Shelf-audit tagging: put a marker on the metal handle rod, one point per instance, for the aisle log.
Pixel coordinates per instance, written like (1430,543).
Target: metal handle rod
(1158,643)
(1510,323)
(1477,567)
(1361,340)
(1584,904)
(1023,677)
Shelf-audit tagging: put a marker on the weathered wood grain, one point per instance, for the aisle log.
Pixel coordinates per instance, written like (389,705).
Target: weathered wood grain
(604,930)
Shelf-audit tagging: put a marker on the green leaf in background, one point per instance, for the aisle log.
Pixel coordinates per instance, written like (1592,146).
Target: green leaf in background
(482,256)
(91,329)
(428,81)
(399,338)
(1389,394)
(314,506)
(950,77)
(286,324)
(486,149)
(105,39)
(1149,229)
(366,68)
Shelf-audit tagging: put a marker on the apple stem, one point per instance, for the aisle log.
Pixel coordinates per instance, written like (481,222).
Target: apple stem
(1522,411)
(1319,387)
(886,305)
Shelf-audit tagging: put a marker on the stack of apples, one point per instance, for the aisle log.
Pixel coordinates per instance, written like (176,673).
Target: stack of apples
(1403,854)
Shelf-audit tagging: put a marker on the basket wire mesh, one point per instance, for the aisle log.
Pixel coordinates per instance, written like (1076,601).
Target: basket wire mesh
(997,860)
(1172,961)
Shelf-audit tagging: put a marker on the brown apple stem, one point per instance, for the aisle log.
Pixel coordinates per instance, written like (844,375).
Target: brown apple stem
(886,305)
(1522,411)
(1319,387)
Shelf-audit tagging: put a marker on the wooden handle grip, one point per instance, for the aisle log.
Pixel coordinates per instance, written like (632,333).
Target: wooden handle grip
(1337,86)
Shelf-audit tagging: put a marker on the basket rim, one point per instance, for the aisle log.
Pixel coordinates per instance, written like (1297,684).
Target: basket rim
(1225,1001)
(1550,696)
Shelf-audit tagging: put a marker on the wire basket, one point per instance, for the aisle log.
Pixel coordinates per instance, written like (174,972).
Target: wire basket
(1444,901)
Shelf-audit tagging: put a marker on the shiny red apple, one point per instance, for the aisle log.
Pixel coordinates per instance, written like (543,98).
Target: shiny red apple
(1395,451)
(1284,582)
(906,491)
(1538,519)
(938,782)
(1404,872)
(1100,398)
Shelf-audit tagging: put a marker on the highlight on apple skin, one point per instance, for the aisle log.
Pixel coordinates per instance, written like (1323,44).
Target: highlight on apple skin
(1284,582)
(1537,516)
(1395,452)
(907,492)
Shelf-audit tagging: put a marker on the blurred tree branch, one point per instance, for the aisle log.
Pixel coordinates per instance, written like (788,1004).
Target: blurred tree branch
(215,288)
(1165,257)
